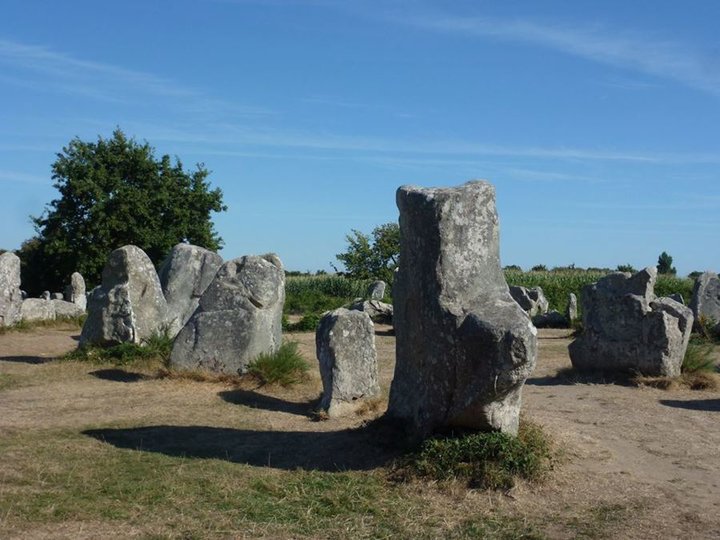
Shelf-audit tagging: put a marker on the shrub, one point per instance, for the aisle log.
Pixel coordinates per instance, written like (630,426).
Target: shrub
(484,460)
(157,347)
(308,323)
(284,367)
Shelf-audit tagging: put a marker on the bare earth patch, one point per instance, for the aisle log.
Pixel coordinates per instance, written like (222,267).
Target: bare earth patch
(94,451)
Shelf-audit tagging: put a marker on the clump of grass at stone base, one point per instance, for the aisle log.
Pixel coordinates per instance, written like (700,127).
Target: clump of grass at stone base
(59,322)
(153,350)
(285,367)
(482,460)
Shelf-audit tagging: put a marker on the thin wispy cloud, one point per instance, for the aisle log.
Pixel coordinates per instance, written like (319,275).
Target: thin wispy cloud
(43,69)
(633,51)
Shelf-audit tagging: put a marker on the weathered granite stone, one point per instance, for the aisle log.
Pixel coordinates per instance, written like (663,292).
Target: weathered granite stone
(10,294)
(705,302)
(571,312)
(464,346)
(184,276)
(532,301)
(376,290)
(23,294)
(129,306)
(345,342)
(239,317)
(625,328)
(551,319)
(76,292)
(37,309)
(46,295)
(379,312)
(66,309)
(678,298)
(56,296)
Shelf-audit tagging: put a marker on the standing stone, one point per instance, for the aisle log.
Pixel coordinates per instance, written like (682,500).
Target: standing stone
(571,312)
(376,290)
(184,276)
(239,317)
(10,294)
(626,328)
(45,295)
(345,342)
(63,309)
(129,306)
(705,302)
(56,296)
(532,301)
(464,346)
(75,292)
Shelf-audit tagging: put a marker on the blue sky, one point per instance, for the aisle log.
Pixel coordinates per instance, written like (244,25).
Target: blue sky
(598,122)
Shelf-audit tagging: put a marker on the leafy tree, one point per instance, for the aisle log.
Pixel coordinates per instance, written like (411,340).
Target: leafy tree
(373,257)
(664,265)
(115,192)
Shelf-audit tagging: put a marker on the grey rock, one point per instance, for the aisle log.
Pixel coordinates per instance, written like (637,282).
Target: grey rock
(23,294)
(464,346)
(187,271)
(376,290)
(10,294)
(46,295)
(37,309)
(678,298)
(239,317)
(129,306)
(626,328)
(571,312)
(345,342)
(379,312)
(76,292)
(705,302)
(57,296)
(551,319)
(65,309)
(532,301)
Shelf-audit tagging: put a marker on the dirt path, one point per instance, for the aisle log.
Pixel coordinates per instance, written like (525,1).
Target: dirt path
(644,457)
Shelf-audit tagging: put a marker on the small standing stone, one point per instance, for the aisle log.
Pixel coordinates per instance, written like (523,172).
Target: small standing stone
(56,296)
(376,290)
(571,312)
(46,295)
(345,342)
(705,302)
(76,292)
(10,294)
(532,301)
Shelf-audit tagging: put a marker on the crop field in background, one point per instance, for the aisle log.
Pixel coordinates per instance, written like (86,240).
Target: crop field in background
(315,294)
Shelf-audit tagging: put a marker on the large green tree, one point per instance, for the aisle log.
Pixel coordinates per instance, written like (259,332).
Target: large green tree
(372,257)
(115,192)
(664,265)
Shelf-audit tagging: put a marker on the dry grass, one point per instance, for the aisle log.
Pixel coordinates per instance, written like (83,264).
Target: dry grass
(691,381)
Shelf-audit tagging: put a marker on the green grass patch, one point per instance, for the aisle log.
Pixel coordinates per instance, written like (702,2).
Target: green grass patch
(484,460)
(699,356)
(7,381)
(317,294)
(285,367)
(308,323)
(155,349)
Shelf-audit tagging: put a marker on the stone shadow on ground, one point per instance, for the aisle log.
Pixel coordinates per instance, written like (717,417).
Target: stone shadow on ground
(26,359)
(364,448)
(570,376)
(255,400)
(118,375)
(693,404)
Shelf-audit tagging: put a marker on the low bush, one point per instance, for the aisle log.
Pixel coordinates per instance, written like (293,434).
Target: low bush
(483,460)
(699,356)
(155,348)
(284,367)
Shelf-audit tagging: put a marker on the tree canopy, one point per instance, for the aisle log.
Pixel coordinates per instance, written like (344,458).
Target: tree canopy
(115,192)
(664,265)
(373,257)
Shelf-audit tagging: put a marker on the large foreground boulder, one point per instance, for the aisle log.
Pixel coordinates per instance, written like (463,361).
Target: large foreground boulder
(75,292)
(464,346)
(239,316)
(705,302)
(184,276)
(345,342)
(129,306)
(10,294)
(626,328)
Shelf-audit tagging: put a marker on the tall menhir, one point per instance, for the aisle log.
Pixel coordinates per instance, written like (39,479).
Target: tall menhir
(464,346)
